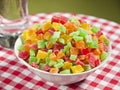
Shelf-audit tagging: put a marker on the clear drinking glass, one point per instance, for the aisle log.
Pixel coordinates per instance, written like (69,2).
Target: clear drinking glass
(13,20)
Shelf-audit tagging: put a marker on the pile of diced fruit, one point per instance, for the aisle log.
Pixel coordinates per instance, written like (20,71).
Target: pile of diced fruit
(63,45)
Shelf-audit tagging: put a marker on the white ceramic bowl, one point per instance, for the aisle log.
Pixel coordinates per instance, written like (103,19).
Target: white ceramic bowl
(58,78)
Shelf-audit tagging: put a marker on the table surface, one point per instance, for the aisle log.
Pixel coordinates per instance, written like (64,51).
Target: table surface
(14,75)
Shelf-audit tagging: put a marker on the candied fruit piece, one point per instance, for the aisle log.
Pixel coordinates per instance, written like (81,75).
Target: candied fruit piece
(93,61)
(41,54)
(103,55)
(77,69)
(33,64)
(34,46)
(32,52)
(85,51)
(86,26)
(67,71)
(59,19)
(70,27)
(95,29)
(46,68)
(67,65)
(79,62)
(54,70)
(58,65)
(80,44)
(73,57)
(53,57)
(32,59)
(24,55)
(74,51)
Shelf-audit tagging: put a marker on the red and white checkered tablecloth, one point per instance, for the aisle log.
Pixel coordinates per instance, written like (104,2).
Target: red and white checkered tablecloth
(14,75)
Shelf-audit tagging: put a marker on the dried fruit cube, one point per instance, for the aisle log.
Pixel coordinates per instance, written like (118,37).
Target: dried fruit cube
(86,26)
(33,64)
(55,36)
(103,55)
(59,19)
(67,65)
(74,51)
(41,54)
(79,62)
(67,71)
(77,69)
(46,25)
(55,26)
(83,32)
(80,44)
(24,55)
(32,59)
(47,36)
(88,38)
(58,65)
(95,29)
(52,63)
(77,38)
(41,44)
(93,61)
(53,57)
(54,70)
(46,68)
(85,51)
(62,28)
(32,52)
(94,43)
(60,55)
(73,57)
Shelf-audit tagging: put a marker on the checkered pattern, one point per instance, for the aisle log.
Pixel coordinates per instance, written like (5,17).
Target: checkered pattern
(14,75)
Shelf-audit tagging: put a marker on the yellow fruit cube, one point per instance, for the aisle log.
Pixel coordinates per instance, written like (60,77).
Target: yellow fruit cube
(77,69)
(25,34)
(67,38)
(55,25)
(47,36)
(85,26)
(46,25)
(41,54)
(67,65)
(101,39)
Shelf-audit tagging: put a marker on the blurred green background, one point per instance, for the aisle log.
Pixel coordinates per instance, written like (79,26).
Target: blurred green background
(108,9)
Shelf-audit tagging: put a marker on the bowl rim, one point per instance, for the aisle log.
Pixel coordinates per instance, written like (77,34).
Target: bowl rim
(18,42)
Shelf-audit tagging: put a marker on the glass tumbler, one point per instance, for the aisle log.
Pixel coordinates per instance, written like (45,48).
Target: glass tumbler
(13,20)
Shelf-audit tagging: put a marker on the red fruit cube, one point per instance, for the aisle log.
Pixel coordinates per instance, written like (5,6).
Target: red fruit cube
(85,51)
(39,32)
(51,31)
(59,19)
(46,68)
(55,50)
(79,62)
(67,59)
(33,64)
(58,46)
(34,46)
(92,60)
(24,55)
(105,47)
(97,62)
